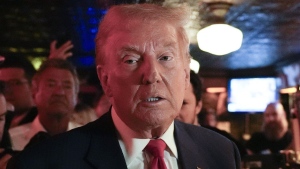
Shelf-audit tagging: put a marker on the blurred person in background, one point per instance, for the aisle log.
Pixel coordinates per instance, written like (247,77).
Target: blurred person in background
(83,114)
(5,146)
(275,135)
(100,103)
(208,118)
(192,103)
(17,73)
(55,88)
(192,108)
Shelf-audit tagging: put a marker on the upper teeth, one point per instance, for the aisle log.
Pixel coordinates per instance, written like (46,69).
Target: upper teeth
(152,99)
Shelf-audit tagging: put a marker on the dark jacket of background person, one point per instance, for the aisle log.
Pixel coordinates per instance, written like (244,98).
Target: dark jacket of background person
(275,134)
(259,143)
(96,146)
(239,145)
(204,122)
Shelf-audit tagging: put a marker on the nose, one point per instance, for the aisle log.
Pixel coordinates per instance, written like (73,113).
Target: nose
(270,118)
(59,90)
(150,72)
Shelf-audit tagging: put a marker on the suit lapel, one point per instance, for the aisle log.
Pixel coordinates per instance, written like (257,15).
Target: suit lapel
(104,150)
(188,150)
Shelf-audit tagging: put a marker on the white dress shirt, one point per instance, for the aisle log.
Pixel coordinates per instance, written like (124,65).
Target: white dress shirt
(21,135)
(132,147)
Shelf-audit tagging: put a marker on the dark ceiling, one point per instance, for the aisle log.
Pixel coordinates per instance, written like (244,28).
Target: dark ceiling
(271,31)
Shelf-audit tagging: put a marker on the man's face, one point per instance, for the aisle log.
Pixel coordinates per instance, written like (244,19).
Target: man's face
(2,114)
(190,108)
(55,93)
(145,75)
(18,90)
(273,120)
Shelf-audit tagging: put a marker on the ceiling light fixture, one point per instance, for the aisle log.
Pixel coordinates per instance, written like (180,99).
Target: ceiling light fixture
(194,65)
(218,37)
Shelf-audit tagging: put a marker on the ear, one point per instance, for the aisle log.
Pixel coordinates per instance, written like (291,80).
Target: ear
(103,77)
(76,100)
(187,77)
(198,107)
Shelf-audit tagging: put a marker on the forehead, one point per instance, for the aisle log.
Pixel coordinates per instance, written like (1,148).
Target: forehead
(142,34)
(56,73)
(272,110)
(11,73)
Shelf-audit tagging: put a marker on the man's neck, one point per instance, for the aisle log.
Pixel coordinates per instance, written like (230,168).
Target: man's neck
(138,132)
(54,125)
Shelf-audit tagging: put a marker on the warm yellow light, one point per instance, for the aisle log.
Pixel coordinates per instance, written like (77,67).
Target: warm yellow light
(37,61)
(219,39)
(288,90)
(216,89)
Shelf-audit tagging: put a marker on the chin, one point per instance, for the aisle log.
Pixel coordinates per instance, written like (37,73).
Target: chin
(58,113)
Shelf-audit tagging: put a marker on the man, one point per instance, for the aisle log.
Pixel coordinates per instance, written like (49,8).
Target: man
(143,65)
(192,103)
(275,135)
(17,72)
(5,149)
(208,118)
(55,88)
(192,108)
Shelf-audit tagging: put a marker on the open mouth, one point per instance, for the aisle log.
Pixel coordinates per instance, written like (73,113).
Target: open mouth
(153,99)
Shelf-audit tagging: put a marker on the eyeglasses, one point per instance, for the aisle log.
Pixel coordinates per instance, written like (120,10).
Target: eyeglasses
(15,83)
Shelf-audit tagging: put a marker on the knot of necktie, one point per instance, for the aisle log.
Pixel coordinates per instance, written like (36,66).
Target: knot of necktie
(156,149)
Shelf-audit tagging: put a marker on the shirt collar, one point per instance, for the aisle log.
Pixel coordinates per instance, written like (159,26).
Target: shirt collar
(132,146)
(37,126)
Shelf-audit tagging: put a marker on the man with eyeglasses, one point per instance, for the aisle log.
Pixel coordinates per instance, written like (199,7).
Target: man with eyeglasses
(16,72)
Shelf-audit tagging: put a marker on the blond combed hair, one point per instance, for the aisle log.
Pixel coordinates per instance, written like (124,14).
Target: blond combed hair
(121,16)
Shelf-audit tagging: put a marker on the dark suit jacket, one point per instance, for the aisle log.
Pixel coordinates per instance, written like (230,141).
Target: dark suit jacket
(96,145)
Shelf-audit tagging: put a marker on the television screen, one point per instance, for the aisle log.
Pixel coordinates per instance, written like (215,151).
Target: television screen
(251,95)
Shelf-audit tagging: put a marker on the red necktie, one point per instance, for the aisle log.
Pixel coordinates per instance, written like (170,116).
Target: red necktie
(156,149)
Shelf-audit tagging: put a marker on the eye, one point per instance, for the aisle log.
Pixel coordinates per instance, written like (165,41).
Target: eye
(51,84)
(165,58)
(184,102)
(67,86)
(130,61)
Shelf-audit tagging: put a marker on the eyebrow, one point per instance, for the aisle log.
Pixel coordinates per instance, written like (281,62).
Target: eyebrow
(130,48)
(64,81)
(135,48)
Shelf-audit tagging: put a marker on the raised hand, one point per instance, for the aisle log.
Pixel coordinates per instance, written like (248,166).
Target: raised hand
(62,52)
